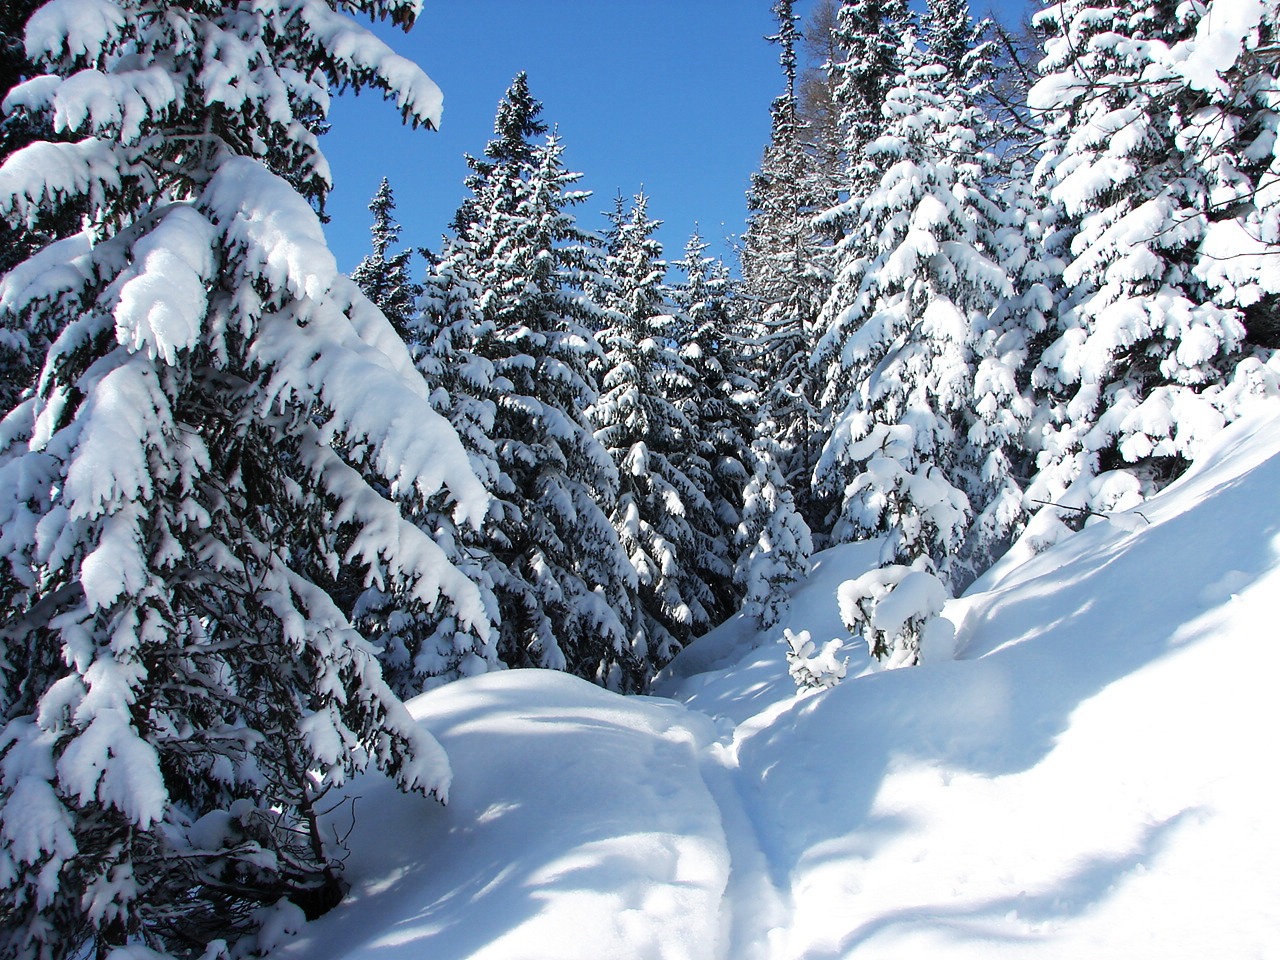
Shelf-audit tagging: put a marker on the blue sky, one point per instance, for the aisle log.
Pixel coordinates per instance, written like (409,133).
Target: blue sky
(671,96)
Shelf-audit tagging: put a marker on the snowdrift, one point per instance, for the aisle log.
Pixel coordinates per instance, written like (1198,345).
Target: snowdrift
(1090,773)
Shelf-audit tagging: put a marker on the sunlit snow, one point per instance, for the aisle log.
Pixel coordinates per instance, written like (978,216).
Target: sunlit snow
(1084,772)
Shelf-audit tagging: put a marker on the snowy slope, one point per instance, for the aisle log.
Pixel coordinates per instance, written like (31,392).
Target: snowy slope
(1093,776)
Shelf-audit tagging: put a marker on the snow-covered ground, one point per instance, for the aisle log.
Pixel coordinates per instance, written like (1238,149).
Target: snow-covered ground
(1092,775)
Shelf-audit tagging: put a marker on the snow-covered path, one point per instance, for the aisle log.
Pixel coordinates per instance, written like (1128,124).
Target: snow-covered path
(1094,777)
(580,826)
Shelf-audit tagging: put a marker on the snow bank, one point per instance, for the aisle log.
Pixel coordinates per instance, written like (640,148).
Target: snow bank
(1091,778)
(578,827)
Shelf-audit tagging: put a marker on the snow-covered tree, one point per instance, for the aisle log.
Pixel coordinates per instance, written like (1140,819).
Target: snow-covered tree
(645,432)
(719,405)
(899,357)
(892,607)
(21,347)
(785,274)
(385,279)
(204,455)
(1004,417)
(958,42)
(516,126)
(519,265)
(869,35)
(773,543)
(1228,68)
(15,132)
(1140,348)
(811,668)
(427,644)
(898,349)
(1240,79)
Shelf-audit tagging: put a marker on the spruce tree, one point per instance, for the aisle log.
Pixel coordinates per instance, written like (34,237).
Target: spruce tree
(22,346)
(203,459)
(1226,68)
(719,405)
(899,353)
(1225,63)
(645,432)
(869,35)
(1005,420)
(1139,347)
(423,645)
(521,350)
(773,542)
(385,279)
(954,40)
(785,276)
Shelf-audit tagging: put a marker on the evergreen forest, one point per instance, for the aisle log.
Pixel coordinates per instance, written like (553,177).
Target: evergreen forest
(997,282)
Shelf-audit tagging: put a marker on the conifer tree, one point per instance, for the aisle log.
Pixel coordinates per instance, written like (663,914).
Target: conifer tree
(719,406)
(785,275)
(899,353)
(22,347)
(1005,421)
(1227,67)
(422,644)
(520,350)
(773,541)
(954,40)
(1139,348)
(869,35)
(204,456)
(638,422)
(385,279)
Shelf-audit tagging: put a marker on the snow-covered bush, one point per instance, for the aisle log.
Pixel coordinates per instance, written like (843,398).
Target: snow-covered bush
(811,668)
(891,607)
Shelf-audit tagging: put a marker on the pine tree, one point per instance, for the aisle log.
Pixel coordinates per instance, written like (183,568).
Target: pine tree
(899,353)
(719,406)
(201,462)
(638,422)
(21,346)
(785,275)
(385,280)
(773,541)
(562,582)
(1140,349)
(422,644)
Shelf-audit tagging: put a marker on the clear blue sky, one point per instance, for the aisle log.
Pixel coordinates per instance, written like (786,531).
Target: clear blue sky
(669,95)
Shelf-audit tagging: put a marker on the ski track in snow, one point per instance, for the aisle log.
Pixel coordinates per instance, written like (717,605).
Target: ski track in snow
(1085,779)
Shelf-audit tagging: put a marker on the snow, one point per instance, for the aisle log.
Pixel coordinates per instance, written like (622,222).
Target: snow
(163,304)
(1087,778)
(74,27)
(44,174)
(1219,41)
(360,51)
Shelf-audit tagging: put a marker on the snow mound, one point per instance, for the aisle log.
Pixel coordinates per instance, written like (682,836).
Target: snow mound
(578,827)
(1091,776)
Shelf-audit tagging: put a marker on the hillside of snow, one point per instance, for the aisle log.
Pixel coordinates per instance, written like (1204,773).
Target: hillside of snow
(1091,775)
